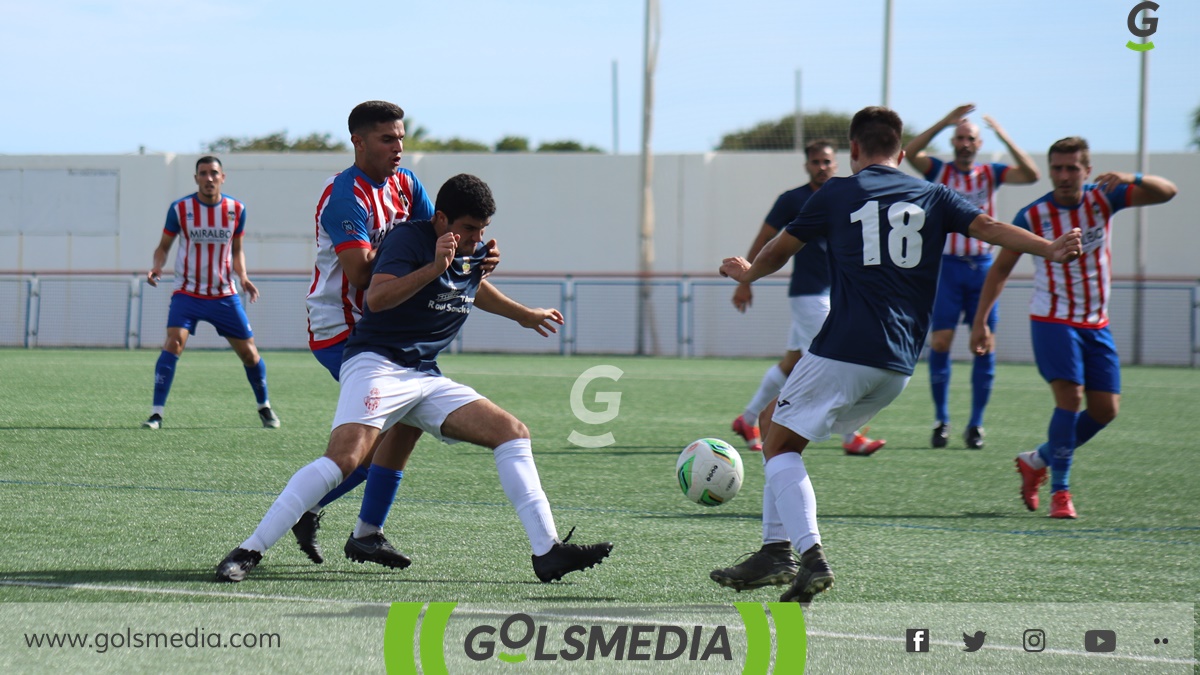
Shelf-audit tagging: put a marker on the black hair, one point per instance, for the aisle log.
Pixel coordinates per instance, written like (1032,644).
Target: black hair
(208,159)
(370,113)
(877,131)
(465,195)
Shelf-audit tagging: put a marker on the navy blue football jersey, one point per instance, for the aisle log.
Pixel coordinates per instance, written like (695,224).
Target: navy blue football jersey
(413,333)
(810,271)
(885,231)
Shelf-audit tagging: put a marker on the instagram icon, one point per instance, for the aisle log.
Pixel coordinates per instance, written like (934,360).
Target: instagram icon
(1034,640)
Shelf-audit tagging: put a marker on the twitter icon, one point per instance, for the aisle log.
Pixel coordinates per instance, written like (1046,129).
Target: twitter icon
(973,642)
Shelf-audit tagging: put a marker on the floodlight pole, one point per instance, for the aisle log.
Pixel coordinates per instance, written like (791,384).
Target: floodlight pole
(887,53)
(645,321)
(799,131)
(1142,217)
(616,146)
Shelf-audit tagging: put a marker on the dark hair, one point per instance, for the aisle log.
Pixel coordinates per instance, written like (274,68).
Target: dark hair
(817,146)
(465,195)
(877,131)
(208,159)
(1069,145)
(370,113)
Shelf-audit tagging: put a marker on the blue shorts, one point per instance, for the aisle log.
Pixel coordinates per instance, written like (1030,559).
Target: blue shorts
(1086,356)
(225,314)
(331,358)
(958,292)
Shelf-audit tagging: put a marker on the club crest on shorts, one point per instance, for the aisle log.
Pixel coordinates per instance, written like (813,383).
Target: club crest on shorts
(371,400)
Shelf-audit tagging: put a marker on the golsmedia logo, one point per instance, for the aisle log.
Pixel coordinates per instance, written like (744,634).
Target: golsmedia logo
(1148,26)
(519,640)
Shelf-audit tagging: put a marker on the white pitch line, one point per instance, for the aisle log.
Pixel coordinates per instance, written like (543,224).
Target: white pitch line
(809,633)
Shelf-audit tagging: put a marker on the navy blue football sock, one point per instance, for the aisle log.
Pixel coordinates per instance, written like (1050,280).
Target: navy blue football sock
(352,481)
(983,373)
(164,374)
(939,384)
(257,374)
(379,494)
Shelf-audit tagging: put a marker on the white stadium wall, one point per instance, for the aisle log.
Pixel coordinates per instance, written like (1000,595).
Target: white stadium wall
(76,231)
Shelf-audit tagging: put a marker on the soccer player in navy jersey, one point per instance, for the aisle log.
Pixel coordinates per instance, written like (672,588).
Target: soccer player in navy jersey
(210,254)
(357,208)
(1068,313)
(808,294)
(885,231)
(965,261)
(426,279)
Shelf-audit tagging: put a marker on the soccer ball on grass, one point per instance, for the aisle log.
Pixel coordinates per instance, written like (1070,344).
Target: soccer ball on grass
(709,471)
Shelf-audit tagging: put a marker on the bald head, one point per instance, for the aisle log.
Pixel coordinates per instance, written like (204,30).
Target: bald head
(966,142)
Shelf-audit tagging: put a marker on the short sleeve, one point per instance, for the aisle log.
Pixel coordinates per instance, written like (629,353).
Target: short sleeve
(241,221)
(935,165)
(781,213)
(400,252)
(422,208)
(172,225)
(1000,171)
(345,221)
(813,220)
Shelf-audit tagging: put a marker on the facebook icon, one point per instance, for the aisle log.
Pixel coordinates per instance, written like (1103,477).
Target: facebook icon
(916,640)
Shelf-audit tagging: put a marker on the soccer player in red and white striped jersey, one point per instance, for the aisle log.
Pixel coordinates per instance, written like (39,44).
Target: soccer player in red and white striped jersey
(210,226)
(965,260)
(1072,344)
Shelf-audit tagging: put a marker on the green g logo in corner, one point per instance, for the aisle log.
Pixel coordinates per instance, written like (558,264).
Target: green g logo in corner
(1148,27)
(404,640)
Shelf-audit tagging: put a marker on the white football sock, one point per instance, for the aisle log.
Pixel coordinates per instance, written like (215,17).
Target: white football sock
(1033,459)
(849,438)
(773,530)
(768,390)
(303,491)
(795,499)
(363,529)
(519,478)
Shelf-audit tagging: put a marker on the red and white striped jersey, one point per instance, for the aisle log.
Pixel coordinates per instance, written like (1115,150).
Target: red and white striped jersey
(204,260)
(1074,293)
(354,212)
(978,186)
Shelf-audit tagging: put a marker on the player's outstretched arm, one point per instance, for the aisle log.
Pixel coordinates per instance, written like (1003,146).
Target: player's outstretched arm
(982,340)
(915,150)
(491,300)
(743,296)
(1151,189)
(388,290)
(1064,249)
(238,254)
(770,259)
(160,258)
(1026,171)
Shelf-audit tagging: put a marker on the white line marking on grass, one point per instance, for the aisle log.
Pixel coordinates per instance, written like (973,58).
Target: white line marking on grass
(180,591)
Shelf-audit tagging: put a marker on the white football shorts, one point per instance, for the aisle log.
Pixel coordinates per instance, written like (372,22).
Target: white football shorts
(808,315)
(823,396)
(379,393)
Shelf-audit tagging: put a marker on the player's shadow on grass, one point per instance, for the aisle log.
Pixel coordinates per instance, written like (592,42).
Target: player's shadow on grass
(612,450)
(734,515)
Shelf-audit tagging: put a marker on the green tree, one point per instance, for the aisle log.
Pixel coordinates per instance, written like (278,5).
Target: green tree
(781,134)
(1196,128)
(277,142)
(512,144)
(567,146)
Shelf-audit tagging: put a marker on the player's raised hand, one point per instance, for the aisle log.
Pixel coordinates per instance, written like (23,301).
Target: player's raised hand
(1109,181)
(992,124)
(982,340)
(958,114)
(1067,247)
(743,297)
(542,320)
(734,268)
(491,259)
(443,253)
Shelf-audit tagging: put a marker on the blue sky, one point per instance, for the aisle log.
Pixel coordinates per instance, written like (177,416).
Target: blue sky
(108,77)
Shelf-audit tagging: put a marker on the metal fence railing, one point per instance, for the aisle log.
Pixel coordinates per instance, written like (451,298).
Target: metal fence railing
(685,317)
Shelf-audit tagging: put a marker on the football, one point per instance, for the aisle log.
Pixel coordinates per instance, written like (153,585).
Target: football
(709,471)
